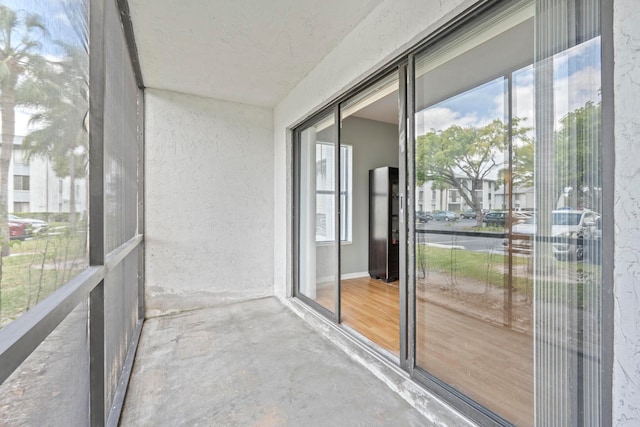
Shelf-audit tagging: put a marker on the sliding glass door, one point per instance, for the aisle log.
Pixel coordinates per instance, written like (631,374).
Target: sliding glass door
(489,291)
(333,205)
(318,221)
(507,188)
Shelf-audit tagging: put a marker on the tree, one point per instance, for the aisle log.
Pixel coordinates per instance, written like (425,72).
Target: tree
(439,185)
(20,69)
(61,122)
(522,166)
(577,151)
(463,157)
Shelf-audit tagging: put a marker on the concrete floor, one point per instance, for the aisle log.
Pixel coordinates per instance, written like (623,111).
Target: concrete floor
(252,363)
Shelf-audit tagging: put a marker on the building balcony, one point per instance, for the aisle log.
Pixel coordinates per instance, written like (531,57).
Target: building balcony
(21,196)
(253,363)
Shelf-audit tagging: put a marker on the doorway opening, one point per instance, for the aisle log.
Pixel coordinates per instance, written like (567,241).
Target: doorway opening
(369,262)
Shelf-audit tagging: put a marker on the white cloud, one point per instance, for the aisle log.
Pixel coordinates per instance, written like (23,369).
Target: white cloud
(62,17)
(570,93)
(440,118)
(574,91)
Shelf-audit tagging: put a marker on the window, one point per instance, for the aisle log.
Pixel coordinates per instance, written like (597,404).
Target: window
(325,194)
(18,156)
(346,192)
(48,39)
(21,182)
(21,206)
(48,276)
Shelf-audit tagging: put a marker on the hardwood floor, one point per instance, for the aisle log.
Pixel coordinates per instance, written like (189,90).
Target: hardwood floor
(489,363)
(372,308)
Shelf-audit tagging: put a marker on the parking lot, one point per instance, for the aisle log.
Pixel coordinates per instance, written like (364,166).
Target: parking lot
(460,234)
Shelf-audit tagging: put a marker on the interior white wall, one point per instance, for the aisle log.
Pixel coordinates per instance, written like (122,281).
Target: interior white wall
(626,365)
(375,144)
(390,29)
(208,200)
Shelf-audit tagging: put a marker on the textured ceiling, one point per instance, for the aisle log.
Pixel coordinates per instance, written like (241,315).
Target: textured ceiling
(248,51)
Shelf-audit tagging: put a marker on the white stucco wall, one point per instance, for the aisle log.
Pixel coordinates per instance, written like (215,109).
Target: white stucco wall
(626,365)
(387,31)
(208,200)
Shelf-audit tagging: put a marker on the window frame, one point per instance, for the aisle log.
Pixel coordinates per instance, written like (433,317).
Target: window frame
(22,179)
(346,216)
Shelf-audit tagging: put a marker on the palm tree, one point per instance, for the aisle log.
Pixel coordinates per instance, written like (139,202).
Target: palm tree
(61,122)
(21,67)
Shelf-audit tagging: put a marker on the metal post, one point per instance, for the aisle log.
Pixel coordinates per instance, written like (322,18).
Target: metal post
(97,76)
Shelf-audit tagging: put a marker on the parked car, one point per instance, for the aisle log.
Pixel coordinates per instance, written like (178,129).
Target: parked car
(570,229)
(468,214)
(445,216)
(17,230)
(592,247)
(496,219)
(500,218)
(423,217)
(34,226)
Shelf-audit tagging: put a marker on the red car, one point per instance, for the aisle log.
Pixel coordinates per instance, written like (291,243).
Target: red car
(17,230)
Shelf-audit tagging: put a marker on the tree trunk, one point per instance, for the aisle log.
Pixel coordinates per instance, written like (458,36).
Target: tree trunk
(72,190)
(7,106)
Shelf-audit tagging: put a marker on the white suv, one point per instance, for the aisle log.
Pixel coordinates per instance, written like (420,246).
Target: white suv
(569,229)
(575,226)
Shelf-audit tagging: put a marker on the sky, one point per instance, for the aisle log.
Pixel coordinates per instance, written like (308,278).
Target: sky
(576,81)
(58,17)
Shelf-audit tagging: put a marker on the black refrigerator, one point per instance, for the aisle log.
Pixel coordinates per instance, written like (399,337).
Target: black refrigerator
(384,223)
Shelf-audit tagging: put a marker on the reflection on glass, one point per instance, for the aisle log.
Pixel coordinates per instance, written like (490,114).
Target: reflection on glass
(519,157)
(472,297)
(318,224)
(568,228)
(44,154)
(474,292)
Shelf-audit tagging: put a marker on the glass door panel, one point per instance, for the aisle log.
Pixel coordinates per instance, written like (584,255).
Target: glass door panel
(569,211)
(369,208)
(318,221)
(508,210)
(474,305)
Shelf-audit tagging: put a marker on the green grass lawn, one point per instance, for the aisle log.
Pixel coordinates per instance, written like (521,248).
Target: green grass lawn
(565,280)
(37,267)
(478,266)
